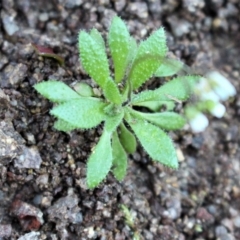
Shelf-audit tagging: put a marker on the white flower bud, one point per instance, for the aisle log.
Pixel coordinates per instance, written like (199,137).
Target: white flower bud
(218,110)
(198,123)
(223,88)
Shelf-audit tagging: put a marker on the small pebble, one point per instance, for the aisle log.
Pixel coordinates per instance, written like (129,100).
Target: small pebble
(220,230)
(30,236)
(236,222)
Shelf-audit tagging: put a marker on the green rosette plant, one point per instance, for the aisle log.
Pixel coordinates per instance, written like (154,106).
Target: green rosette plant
(120,107)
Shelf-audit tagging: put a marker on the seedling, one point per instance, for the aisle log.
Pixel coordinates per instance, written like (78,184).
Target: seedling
(120,106)
(131,222)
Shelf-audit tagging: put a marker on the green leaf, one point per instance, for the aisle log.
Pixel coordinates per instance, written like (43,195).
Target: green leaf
(132,51)
(119,158)
(156,106)
(96,35)
(83,89)
(56,91)
(119,44)
(156,142)
(64,126)
(94,58)
(131,57)
(82,113)
(169,67)
(112,122)
(128,216)
(149,56)
(100,161)
(165,120)
(179,88)
(111,92)
(127,139)
(125,93)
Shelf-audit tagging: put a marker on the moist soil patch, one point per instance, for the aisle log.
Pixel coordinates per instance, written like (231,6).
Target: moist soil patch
(42,171)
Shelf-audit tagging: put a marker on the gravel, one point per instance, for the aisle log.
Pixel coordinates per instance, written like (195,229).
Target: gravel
(43,171)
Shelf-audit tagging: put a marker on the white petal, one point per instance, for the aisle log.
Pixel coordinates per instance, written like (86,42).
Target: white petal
(224,89)
(198,123)
(218,111)
(202,86)
(210,96)
(204,90)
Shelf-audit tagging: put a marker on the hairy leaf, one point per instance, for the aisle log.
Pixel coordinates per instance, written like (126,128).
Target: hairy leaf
(83,89)
(131,57)
(179,88)
(112,122)
(119,43)
(56,91)
(150,55)
(169,67)
(82,113)
(111,92)
(132,51)
(156,142)
(165,120)
(64,126)
(119,158)
(129,219)
(100,161)
(127,139)
(125,93)
(94,58)
(96,35)
(156,106)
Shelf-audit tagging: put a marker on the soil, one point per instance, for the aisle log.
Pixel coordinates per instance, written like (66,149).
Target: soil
(43,193)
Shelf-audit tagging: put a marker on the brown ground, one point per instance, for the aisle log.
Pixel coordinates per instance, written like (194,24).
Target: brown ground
(199,201)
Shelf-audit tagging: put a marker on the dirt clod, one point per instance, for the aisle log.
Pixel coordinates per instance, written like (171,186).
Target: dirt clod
(43,171)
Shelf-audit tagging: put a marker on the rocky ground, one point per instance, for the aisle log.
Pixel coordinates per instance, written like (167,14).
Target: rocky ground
(43,194)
